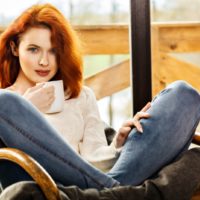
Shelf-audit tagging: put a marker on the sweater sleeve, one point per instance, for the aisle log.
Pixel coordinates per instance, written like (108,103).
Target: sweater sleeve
(93,146)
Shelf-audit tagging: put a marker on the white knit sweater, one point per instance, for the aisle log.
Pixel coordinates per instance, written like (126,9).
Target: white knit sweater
(80,125)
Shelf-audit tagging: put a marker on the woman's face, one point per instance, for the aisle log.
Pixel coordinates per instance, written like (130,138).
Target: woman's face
(37,57)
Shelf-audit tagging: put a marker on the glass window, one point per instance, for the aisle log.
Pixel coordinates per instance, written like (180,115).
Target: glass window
(179,10)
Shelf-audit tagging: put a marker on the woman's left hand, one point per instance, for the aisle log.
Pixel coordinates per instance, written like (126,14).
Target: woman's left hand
(124,131)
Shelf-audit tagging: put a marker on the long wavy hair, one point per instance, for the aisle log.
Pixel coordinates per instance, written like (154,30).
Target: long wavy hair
(63,38)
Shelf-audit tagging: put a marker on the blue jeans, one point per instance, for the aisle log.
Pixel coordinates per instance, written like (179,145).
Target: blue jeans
(175,113)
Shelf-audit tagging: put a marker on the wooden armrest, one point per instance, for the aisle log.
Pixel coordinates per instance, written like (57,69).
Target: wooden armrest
(34,169)
(196,139)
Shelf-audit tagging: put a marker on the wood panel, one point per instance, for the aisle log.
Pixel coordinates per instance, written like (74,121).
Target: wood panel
(172,69)
(114,39)
(102,39)
(179,38)
(156,82)
(110,80)
(117,77)
(110,39)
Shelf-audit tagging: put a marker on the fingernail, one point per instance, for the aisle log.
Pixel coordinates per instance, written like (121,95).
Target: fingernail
(141,130)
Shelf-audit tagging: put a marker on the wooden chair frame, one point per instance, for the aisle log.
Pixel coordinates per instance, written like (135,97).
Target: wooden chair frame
(34,169)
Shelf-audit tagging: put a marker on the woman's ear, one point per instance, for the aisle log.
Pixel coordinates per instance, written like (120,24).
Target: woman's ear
(14,48)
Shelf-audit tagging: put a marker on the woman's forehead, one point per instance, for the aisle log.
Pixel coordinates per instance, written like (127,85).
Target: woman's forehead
(38,36)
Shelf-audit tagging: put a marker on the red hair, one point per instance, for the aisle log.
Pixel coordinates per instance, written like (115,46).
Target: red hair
(63,38)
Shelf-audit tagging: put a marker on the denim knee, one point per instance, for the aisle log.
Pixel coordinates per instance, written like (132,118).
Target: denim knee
(182,87)
(9,101)
(6,96)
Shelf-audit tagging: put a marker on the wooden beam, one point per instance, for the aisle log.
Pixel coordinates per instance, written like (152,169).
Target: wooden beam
(167,70)
(111,80)
(114,39)
(172,69)
(102,39)
(182,38)
(110,39)
(156,82)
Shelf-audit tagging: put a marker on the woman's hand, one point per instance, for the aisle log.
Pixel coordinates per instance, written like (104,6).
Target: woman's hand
(41,97)
(124,131)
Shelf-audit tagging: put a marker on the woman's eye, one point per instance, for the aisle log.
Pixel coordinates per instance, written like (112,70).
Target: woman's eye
(53,51)
(33,49)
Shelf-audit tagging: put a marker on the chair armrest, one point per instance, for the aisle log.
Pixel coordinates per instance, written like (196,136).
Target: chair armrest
(34,169)
(196,139)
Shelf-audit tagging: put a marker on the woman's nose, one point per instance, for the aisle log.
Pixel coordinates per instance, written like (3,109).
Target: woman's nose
(44,60)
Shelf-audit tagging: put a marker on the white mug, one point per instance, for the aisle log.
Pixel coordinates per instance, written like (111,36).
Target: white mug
(58,104)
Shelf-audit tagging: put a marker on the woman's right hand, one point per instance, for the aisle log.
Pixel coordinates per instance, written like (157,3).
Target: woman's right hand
(121,136)
(40,96)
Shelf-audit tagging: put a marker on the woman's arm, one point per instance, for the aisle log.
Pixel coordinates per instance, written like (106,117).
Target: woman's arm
(93,146)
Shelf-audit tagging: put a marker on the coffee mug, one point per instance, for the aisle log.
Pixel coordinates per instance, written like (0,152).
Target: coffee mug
(58,104)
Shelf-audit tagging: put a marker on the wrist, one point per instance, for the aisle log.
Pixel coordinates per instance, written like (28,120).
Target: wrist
(115,148)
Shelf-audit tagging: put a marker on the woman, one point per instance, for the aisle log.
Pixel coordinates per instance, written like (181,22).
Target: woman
(40,46)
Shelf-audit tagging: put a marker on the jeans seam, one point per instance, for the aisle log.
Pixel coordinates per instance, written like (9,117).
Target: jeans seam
(35,141)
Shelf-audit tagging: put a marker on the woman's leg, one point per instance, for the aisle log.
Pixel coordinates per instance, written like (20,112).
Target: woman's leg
(175,113)
(23,127)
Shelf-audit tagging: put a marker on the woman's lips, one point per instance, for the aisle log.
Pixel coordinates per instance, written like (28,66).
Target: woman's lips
(42,72)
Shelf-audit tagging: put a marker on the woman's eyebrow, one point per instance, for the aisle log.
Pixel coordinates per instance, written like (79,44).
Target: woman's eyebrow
(35,45)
